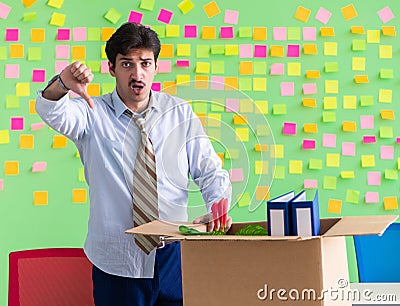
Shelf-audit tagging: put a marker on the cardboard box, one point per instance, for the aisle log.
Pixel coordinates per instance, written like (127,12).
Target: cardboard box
(263,270)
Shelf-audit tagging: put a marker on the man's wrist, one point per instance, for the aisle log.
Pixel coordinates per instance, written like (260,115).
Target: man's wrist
(55,89)
(61,83)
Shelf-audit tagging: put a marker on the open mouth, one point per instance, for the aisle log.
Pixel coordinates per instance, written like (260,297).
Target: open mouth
(137,87)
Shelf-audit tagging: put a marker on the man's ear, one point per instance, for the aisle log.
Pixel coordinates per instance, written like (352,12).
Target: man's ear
(156,67)
(111,69)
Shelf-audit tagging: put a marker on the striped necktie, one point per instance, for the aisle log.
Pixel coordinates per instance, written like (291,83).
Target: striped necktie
(145,198)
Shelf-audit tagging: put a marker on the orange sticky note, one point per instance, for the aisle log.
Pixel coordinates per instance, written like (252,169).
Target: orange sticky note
(203,119)
(221,157)
(259,33)
(246,68)
(93,89)
(310,128)
(106,33)
(327,31)
(302,14)
(387,114)
(37,35)
(359,79)
(32,109)
(390,203)
(357,30)
(260,147)
(201,82)
(334,206)
(28,3)
(211,9)
(277,51)
(389,30)
(262,193)
(16,51)
(239,119)
(167,51)
(79,196)
(310,49)
(309,102)
(349,12)
(231,83)
(169,87)
(11,168)
(26,141)
(40,198)
(78,52)
(59,141)
(312,74)
(208,32)
(349,126)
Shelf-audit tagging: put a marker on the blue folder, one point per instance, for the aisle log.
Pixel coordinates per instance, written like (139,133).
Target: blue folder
(279,216)
(305,215)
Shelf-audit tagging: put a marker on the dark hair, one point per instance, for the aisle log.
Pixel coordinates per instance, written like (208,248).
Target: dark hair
(131,35)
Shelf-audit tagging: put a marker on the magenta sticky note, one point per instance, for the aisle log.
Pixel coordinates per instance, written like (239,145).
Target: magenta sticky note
(385,14)
(165,16)
(37,126)
(190,31)
(17,123)
(289,128)
(62,51)
(374,178)
(183,63)
(236,175)
(79,34)
(245,51)
(309,88)
(323,15)
(293,51)
(371,197)
(4,10)
(12,34)
(39,166)
(280,33)
(398,140)
(260,51)
(232,105)
(226,32)
(60,65)
(329,140)
(348,149)
(164,66)
(231,17)
(287,88)
(135,17)
(63,34)
(277,69)
(12,71)
(156,86)
(309,144)
(104,68)
(369,139)
(366,122)
(309,33)
(310,184)
(38,75)
(217,83)
(387,152)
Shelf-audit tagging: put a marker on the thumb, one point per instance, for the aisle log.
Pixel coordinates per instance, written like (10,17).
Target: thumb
(87,98)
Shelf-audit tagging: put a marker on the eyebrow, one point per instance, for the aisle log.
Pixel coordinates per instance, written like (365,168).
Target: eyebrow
(130,59)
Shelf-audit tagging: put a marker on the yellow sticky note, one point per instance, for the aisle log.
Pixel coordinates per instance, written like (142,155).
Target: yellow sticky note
(387,114)
(55,3)
(310,128)
(330,48)
(358,63)
(214,120)
(277,151)
(385,96)
(349,102)
(185,6)
(26,141)
(183,49)
(245,68)
(203,67)
(4,136)
(106,33)
(261,167)
(357,30)
(385,51)
(260,147)
(59,141)
(389,30)
(16,51)
(302,14)
(328,31)
(37,35)
(349,126)
(79,196)
(246,106)
(332,160)
(309,102)
(367,161)
(330,103)
(261,107)
(231,49)
(293,69)
(242,134)
(313,74)
(331,86)
(259,33)
(11,168)
(262,193)
(167,51)
(113,15)
(259,84)
(239,119)
(40,198)
(295,166)
(172,30)
(78,52)
(334,206)
(347,174)
(57,19)
(211,9)
(390,203)
(183,79)
(398,163)
(208,32)
(349,12)
(373,36)
(22,89)
(277,51)
(310,49)
(360,79)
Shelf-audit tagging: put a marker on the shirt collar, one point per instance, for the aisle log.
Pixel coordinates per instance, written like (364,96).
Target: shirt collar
(120,107)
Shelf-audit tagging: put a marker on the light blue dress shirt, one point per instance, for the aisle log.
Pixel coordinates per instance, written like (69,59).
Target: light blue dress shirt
(107,141)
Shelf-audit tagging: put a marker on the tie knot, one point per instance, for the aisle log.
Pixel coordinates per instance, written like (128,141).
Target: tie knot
(140,123)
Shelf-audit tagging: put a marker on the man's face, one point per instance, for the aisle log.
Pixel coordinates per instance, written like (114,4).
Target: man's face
(134,74)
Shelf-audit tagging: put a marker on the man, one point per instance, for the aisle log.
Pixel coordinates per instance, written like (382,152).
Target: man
(108,140)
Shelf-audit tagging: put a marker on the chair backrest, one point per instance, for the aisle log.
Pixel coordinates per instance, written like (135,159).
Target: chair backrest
(378,256)
(49,277)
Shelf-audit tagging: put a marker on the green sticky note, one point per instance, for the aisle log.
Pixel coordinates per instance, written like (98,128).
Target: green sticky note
(279,172)
(202,51)
(262,130)
(328,117)
(244,199)
(94,65)
(359,45)
(199,107)
(217,105)
(160,30)
(315,164)
(113,15)
(3,53)
(279,109)
(93,34)
(385,132)
(34,54)
(366,100)
(245,32)
(29,16)
(232,153)
(107,87)
(293,33)
(352,196)
(217,67)
(81,175)
(331,67)
(214,134)
(391,174)
(12,102)
(217,49)
(386,73)
(245,84)
(260,68)
(330,182)
(147,4)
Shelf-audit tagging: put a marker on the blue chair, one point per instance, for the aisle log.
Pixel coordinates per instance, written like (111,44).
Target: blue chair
(378,256)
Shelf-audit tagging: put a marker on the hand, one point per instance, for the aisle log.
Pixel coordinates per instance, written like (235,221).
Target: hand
(211,225)
(77,77)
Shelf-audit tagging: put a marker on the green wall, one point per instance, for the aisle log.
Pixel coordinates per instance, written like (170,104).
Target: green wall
(61,220)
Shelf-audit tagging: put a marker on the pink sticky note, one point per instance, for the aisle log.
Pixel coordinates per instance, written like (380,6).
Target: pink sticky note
(39,166)
(287,88)
(371,197)
(245,51)
(165,16)
(309,144)
(62,51)
(231,17)
(366,122)
(369,139)
(183,63)
(385,14)
(60,65)
(63,34)
(104,67)
(17,123)
(12,71)
(374,178)
(37,126)
(310,184)
(280,33)
(217,83)
(309,33)
(164,66)
(387,152)
(293,51)
(190,31)
(156,86)
(12,34)
(38,75)
(289,128)
(135,17)
(4,10)
(348,149)
(80,34)
(260,51)
(309,88)
(226,32)
(277,69)
(232,105)
(323,15)
(236,175)
(329,140)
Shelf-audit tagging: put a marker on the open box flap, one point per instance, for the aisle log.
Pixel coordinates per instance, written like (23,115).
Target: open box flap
(360,225)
